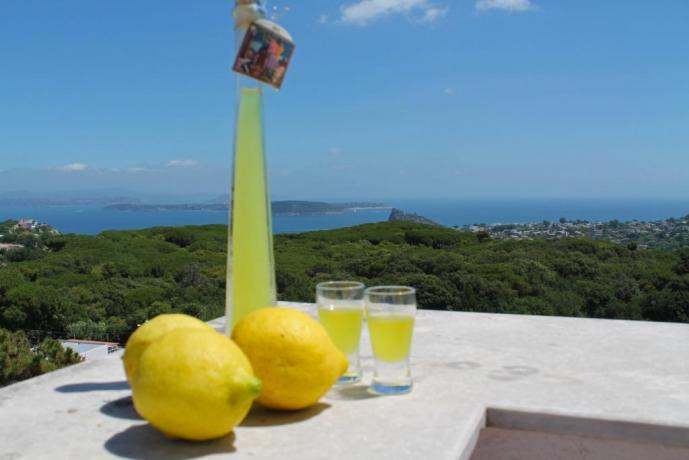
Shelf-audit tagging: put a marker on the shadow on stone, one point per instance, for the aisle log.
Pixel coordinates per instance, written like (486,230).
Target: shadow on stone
(145,442)
(92,386)
(511,373)
(462,365)
(121,408)
(352,393)
(260,416)
(554,378)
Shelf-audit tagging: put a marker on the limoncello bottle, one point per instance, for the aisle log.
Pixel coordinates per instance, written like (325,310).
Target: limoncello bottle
(250,265)
(251,272)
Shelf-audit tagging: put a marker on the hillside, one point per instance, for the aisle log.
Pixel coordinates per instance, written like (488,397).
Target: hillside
(397,215)
(101,287)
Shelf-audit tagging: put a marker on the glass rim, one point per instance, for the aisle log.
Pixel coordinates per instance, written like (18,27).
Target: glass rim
(340,286)
(390,290)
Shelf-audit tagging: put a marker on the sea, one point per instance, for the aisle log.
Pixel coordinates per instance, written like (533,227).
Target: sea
(94,219)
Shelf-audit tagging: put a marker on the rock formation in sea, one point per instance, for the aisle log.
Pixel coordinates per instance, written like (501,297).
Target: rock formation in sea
(399,215)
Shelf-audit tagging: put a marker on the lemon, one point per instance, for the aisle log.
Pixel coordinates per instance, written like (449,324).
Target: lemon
(292,354)
(152,330)
(194,384)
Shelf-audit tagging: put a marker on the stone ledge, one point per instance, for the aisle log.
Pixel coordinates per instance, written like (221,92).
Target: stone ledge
(615,373)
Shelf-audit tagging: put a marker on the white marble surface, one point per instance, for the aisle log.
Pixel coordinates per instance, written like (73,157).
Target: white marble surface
(462,364)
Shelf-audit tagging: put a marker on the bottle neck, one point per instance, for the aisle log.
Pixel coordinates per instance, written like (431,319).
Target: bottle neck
(245,13)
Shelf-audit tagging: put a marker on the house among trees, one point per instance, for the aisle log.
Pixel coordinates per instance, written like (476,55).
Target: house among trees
(10,247)
(27,224)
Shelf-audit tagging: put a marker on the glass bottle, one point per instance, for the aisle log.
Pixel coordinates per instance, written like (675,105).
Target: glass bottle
(250,263)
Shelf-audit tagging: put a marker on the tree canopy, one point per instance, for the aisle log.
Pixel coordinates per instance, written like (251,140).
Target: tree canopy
(102,287)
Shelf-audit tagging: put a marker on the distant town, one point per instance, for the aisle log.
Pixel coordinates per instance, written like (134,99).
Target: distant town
(661,234)
(16,235)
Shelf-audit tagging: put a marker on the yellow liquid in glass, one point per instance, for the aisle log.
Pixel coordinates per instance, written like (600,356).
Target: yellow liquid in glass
(251,261)
(391,336)
(343,326)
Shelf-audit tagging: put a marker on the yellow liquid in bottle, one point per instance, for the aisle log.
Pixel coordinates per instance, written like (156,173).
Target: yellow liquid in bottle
(343,326)
(391,336)
(253,277)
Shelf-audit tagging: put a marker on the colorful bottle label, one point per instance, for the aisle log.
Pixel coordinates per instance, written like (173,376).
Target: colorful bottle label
(265,53)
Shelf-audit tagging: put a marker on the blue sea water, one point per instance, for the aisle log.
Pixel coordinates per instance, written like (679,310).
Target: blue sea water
(93,220)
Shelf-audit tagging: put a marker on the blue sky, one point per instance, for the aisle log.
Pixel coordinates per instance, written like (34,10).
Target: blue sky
(384,98)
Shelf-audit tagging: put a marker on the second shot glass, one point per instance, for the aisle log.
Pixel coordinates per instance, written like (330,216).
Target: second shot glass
(341,312)
(390,314)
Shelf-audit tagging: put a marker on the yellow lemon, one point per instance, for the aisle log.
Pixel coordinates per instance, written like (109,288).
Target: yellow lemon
(151,331)
(292,354)
(194,384)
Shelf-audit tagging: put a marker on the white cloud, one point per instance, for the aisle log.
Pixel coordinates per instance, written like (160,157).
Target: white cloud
(334,151)
(434,13)
(323,19)
(182,164)
(73,167)
(136,170)
(364,12)
(449,91)
(509,5)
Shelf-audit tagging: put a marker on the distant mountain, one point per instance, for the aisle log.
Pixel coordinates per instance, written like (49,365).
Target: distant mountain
(72,198)
(317,207)
(165,207)
(278,207)
(220,199)
(304,207)
(95,197)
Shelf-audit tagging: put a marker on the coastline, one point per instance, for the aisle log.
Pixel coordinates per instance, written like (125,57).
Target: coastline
(449,213)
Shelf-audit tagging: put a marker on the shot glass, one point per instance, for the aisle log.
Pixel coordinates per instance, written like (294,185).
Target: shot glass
(390,314)
(341,312)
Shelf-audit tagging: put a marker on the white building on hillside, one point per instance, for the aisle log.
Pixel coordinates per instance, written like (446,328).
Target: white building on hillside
(90,349)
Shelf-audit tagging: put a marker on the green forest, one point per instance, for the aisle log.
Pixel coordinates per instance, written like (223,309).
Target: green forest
(101,287)
(20,359)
